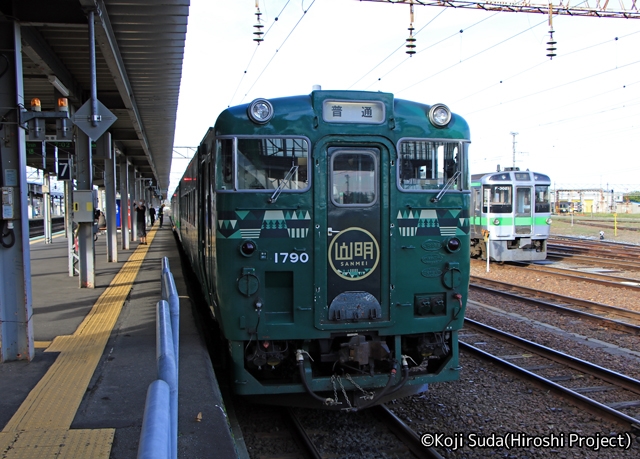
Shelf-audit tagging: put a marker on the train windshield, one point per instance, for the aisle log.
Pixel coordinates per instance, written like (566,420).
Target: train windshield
(543,204)
(428,164)
(266,163)
(353,178)
(523,201)
(499,198)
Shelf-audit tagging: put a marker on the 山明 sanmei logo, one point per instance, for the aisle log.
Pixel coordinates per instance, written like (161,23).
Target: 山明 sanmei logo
(354,254)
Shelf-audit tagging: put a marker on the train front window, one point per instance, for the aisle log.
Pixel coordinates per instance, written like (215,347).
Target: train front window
(523,202)
(542,203)
(263,163)
(499,198)
(353,179)
(428,164)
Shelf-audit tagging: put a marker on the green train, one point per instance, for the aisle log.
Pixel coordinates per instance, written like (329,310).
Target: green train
(510,215)
(330,235)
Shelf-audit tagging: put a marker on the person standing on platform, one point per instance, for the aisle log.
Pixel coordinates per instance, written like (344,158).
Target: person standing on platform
(152,214)
(141,221)
(161,214)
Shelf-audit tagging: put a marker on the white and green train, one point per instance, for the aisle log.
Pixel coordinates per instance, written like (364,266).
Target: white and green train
(510,215)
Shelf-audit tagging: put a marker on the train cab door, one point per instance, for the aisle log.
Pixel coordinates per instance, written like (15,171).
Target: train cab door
(355,273)
(523,212)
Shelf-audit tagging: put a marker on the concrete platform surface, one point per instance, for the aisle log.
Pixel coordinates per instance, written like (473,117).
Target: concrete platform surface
(83,394)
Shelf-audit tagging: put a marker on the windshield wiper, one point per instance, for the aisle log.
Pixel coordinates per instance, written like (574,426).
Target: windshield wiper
(446,186)
(287,178)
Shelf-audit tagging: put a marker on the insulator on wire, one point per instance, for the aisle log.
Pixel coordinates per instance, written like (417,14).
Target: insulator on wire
(411,43)
(258,28)
(551,46)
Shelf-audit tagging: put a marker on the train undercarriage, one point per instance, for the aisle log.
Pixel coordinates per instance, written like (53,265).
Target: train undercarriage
(345,371)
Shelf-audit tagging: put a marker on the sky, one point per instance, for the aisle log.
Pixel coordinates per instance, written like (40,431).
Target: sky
(575,117)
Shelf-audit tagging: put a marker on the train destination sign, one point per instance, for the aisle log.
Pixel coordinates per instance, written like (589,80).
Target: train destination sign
(361,112)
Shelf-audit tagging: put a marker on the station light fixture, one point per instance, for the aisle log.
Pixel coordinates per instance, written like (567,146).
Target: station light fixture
(63,126)
(439,115)
(63,104)
(62,89)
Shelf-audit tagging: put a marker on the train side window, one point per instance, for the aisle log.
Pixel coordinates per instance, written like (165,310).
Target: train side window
(428,164)
(224,168)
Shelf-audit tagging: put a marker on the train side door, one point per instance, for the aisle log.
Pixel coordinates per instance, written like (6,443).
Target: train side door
(205,223)
(523,211)
(354,271)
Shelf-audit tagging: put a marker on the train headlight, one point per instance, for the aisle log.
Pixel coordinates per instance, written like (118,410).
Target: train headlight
(496,221)
(453,244)
(549,221)
(439,115)
(248,248)
(260,111)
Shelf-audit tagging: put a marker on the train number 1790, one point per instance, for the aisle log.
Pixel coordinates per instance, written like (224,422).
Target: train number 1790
(284,257)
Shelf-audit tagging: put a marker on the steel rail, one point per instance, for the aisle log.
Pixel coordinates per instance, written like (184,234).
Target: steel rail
(405,433)
(629,328)
(594,260)
(613,377)
(613,254)
(586,403)
(596,278)
(310,447)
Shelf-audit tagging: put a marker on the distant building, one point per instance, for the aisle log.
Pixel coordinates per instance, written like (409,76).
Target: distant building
(592,200)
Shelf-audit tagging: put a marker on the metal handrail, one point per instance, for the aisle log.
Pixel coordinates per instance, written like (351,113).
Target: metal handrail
(159,435)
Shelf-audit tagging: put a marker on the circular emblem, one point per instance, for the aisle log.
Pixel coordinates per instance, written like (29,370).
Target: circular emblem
(354,254)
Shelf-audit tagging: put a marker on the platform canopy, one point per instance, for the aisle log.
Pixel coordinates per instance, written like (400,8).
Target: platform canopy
(139,53)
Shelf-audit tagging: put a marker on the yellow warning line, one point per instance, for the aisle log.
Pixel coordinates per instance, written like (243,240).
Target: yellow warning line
(41,424)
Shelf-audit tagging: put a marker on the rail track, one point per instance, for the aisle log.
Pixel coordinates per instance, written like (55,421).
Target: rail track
(407,443)
(581,275)
(301,433)
(595,253)
(602,381)
(594,260)
(585,309)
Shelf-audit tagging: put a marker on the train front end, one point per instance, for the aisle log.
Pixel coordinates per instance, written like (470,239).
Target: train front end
(341,232)
(511,215)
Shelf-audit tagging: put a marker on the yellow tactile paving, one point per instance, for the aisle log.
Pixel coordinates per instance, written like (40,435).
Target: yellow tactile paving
(59,444)
(40,427)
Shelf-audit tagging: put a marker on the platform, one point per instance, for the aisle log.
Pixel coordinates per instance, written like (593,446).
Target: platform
(83,394)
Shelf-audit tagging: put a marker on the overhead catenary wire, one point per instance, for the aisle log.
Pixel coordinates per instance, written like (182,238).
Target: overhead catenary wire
(394,51)
(555,87)
(246,69)
(514,77)
(544,62)
(304,13)
(469,58)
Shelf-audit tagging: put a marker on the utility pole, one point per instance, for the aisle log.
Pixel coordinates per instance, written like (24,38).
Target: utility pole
(514,134)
